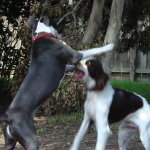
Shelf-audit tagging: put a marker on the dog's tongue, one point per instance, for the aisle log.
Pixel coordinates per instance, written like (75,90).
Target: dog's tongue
(79,75)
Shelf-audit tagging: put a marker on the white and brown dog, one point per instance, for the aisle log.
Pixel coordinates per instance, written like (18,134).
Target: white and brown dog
(106,105)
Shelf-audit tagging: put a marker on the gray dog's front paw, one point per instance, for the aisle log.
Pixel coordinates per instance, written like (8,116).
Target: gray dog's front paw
(70,68)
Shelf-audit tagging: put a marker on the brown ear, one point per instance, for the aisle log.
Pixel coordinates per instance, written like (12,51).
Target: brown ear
(94,68)
(97,73)
(102,80)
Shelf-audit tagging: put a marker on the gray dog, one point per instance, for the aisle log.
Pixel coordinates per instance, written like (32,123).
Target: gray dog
(48,64)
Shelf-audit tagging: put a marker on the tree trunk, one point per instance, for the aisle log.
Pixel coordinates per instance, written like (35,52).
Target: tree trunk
(94,22)
(113,31)
(70,2)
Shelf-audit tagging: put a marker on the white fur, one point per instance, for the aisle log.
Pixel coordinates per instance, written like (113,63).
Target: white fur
(87,79)
(64,43)
(41,27)
(8,132)
(97,106)
(97,51)
(70,67)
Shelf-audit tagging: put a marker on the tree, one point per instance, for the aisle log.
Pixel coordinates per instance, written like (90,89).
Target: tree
(113,30)
(94,22)
(135,26)
(9,22)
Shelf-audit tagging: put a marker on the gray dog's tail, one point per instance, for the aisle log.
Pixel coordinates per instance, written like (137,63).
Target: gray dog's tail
(4,118)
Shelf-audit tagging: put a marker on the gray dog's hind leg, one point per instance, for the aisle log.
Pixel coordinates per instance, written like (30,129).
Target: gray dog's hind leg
(26,135)
(10,142)
(21,130)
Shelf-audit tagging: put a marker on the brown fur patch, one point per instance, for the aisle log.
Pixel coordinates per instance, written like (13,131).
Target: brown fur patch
(96,72)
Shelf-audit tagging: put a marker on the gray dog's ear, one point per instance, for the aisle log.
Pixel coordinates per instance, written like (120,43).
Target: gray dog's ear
(30,22)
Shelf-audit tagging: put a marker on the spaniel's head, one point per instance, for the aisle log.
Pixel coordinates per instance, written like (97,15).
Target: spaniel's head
(90,71)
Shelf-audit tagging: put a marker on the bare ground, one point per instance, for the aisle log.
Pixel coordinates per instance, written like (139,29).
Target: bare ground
(58,135)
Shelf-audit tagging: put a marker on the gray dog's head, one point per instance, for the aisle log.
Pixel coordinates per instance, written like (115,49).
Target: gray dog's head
(44,24)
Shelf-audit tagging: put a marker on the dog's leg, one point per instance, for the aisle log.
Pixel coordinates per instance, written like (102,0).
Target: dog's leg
(126,132)
(10,142)
(81,133)
(22,129)
(67,54)
(145,138)
(96,51)
(103,131)
(26,136)
(144,130)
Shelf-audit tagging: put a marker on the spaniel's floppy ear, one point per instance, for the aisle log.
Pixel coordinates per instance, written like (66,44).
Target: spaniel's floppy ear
(103,79)
(94,68)
(97,73)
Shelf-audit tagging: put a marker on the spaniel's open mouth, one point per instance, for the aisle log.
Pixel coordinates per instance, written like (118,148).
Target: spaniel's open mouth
(79,75)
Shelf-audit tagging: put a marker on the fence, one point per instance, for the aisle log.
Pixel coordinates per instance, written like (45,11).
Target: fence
(131,65)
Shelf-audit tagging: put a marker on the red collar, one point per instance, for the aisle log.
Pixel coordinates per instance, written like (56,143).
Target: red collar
(42,34)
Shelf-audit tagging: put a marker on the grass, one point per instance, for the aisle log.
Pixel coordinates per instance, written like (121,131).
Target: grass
(5,81)
(116,128)
(40,129)
(59,124)
(61,118)
(141,88)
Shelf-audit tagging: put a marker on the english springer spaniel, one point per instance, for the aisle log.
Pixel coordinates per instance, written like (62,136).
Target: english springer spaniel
(107,105)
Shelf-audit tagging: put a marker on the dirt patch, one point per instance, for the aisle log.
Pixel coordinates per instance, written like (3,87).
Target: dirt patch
(57,133)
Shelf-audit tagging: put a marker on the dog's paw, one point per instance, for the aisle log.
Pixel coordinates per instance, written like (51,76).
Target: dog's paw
(70,68)
(72,148)
(107,48)
(110,46)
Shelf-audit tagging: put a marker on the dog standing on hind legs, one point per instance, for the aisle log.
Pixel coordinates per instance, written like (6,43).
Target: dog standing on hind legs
(47,67)
(107,105)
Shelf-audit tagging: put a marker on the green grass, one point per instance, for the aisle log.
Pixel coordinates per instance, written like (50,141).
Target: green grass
(5,81)
(40,129)
(61,118)
(141,88)
(116,128)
